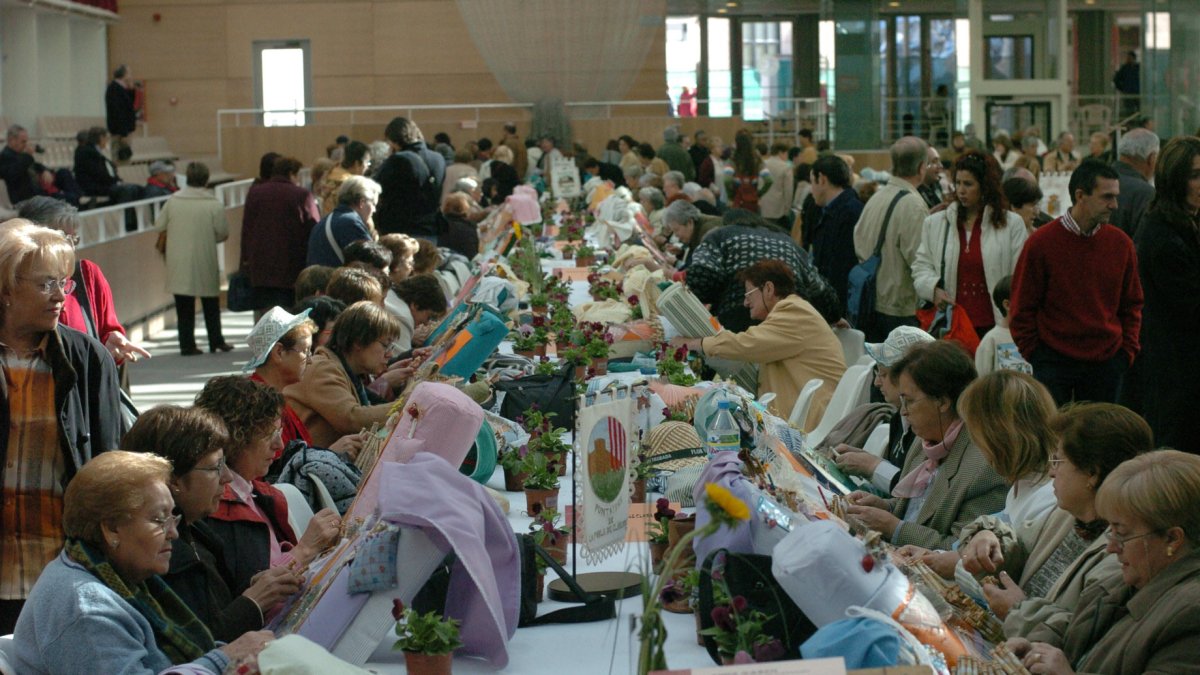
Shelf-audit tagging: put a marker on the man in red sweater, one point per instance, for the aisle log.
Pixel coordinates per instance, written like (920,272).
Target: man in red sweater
(1076,295)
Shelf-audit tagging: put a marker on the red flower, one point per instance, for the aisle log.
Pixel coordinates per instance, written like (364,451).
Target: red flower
(868,563)
(723,618)
(397,608)
(739,604)
(413,411)
(771,651)
(633,299)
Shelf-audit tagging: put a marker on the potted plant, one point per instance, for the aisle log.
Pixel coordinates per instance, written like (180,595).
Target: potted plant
(541,482)
(585,256)
(512,462)
(548,534)
(658,532)
(598,349)
(672,365)
(635,308)
(427,640)
(577,356)
(538,301)
(738,632)
(568,252)
(545,366)
(642,470)
(525,340)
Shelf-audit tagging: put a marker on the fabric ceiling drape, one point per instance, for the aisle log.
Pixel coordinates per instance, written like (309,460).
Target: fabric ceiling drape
(569,50)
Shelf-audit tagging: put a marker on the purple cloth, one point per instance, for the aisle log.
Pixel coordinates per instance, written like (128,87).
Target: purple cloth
(724,469)
(457,514)
(332,615)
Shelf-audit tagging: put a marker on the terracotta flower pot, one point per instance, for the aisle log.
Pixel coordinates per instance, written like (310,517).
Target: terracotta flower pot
(601,366)
(427,664)
(558,550)
(580,373)
(585,261)
(539,350)
(538,310)
(658,551)
(638,494)
(547,498)
(676,528)
(514,481)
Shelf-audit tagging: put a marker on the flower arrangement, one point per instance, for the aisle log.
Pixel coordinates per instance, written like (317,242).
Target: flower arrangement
(568,251)
(676,415)
(738,631)
(672,365)
(545,366)
(571,229)
(726,510)
(656,531)
(540,474)
(529,337)
(603,289)
(575,355)
(425,633)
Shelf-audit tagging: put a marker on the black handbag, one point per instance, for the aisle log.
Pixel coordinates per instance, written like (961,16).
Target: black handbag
(552,393)
(240,297)
(594,608)
(749,575)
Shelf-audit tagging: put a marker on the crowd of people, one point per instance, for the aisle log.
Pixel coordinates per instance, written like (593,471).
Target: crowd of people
(134,543)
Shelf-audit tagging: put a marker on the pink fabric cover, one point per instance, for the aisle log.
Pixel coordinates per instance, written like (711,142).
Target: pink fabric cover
(523,203)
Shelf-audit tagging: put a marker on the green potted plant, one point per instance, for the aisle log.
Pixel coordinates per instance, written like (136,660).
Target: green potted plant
(548,534)
(585,256)
(538,302)
(512,461)
(568,252)
(541,481)
(525,341)
(598,350)
(642,470)
(578,358)
(672,365)
(738,632)
(427,640)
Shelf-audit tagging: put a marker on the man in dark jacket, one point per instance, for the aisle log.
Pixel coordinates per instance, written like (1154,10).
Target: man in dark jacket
(119,106)
(412,183)
(1138,153)
(16,165)
(833,235)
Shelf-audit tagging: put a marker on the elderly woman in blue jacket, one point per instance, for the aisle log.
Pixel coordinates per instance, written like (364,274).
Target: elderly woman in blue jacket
(100,606)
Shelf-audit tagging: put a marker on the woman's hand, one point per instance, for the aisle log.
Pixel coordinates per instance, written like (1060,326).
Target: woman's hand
(1042,659)
(122,349)
(399,372)
(877,519)
(271,586)
(982,554)
(941,298)
(942,562)
(323,531)
(349,445)
(911,552)
(1001,599)
(860,498)
(856,462)
(248,645)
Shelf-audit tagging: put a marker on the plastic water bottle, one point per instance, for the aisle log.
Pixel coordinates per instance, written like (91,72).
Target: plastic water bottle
(722,433)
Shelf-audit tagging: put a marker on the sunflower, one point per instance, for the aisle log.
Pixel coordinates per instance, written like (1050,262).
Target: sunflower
(724,506)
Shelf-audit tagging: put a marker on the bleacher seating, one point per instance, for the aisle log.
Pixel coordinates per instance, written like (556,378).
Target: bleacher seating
(65,127)
(148,149)
(59,153)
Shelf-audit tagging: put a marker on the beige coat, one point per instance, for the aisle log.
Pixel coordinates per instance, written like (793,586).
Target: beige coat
(895,294)
(326,402)
(793,345)
(1117,630)
(965,488)
(194,220)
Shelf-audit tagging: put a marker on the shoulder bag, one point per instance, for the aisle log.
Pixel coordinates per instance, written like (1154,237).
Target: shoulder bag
(860,289)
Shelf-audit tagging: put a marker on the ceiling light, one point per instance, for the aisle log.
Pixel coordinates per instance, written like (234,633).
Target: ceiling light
(722,10)
(731,4)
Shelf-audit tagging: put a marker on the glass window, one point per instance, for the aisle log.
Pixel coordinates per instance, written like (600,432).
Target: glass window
(282,81)
(683,62)
(766,68)
(1009,57)
(720,80)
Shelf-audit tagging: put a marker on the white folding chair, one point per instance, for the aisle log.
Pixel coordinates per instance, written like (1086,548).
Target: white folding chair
(852,391)
(804,402)
(877,442)
(299,511)
(7,657)
(324,499)
(852,343)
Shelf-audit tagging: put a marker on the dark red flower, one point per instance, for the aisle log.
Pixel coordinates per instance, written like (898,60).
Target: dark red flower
(397,608)
(739,604)
(771,651)
(662,504)
(413,411)
(671,593)
(868,563)
(722,618)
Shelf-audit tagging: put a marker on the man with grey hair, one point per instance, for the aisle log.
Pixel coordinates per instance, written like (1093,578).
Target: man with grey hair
(1137,154)
(652,201)
(161,182)
(16,165)
(673,153)
(349,222)
(672,184)
(895,294)
(1062,157)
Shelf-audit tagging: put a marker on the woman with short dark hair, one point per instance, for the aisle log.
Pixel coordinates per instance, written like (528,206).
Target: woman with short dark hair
(792,345)
(278,216)
(415,301)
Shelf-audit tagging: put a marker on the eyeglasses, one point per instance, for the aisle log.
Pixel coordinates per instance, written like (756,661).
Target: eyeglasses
(216,469)
(747,294)
(906,403)
(164,524)
(48,286)
(389,348)
(1055,462)
(1120,542)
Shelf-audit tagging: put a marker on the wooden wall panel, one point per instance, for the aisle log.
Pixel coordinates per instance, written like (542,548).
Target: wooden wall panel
(188,42)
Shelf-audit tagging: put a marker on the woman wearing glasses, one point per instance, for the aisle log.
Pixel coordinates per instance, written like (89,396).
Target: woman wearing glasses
(58,407)
(251,519)
(100,606)
(1069,552)
(1147,618)
(792,345)
(968,248)
(331,397)
(946,481)
(192,439)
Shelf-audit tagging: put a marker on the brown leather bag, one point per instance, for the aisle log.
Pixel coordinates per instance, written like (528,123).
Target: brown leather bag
(160,244)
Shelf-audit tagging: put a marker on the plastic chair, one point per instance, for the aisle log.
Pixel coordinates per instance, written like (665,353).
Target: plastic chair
(864,360)
(877,442)
(852,343)
(299,511)
(324,499)
(804,402)
(852,391)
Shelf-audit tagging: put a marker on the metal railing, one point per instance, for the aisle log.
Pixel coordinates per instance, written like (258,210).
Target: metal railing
(796,114)
(931,118)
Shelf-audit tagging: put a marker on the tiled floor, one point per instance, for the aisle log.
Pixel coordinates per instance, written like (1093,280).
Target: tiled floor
(168,377)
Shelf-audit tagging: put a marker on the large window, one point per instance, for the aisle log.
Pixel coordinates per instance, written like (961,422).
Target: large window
(683,57)
(766,68)
(281,81)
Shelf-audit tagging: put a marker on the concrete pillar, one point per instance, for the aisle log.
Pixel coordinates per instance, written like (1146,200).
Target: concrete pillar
(857,86)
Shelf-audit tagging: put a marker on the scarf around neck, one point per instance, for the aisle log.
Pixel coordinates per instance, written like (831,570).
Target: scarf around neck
(177,631)
(917,481)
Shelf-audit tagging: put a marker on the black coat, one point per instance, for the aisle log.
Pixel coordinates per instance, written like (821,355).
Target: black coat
(1168,365)
(86,397)
(198,575)
(412,191)
(16,170)
(246,543)
(118,103)
(1133,200)
(95,173)
(833,241)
